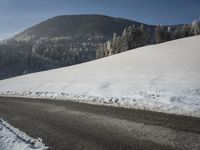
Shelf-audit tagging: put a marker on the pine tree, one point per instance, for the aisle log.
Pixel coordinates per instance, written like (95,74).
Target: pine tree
(196,27)
(186,31)
(158,34)
(144,36)
(162,34)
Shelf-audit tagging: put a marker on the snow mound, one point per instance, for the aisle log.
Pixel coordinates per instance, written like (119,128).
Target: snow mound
(12,138)
(163,77)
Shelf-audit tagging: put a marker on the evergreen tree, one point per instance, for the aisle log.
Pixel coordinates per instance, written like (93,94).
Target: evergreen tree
(186,31)
(162,34)
(144,36)
(196,27)
(158,34)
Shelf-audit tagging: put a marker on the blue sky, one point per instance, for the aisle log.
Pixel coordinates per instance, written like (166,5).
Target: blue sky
(17,15)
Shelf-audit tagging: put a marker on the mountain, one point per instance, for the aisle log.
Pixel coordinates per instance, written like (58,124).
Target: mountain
(76,26)
(163,77)
(57,42)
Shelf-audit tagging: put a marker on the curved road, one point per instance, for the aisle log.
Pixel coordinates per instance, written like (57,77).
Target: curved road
(65,125)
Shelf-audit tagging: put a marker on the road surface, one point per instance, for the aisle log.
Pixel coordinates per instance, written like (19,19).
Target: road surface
(65,125)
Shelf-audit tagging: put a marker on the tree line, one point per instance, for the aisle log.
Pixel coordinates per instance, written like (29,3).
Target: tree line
(134,37)
(164,33)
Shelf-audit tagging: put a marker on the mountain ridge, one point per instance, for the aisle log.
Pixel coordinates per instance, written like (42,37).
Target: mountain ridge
(72,25)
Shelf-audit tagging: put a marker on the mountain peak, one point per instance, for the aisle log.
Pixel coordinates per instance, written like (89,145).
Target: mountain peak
(76,25)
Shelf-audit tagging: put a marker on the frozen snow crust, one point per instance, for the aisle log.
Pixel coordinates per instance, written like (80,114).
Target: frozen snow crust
(163,78)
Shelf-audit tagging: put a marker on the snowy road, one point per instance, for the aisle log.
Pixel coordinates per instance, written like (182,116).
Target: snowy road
(66,125)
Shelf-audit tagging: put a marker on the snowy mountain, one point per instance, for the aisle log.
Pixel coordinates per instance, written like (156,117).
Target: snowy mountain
(163,77)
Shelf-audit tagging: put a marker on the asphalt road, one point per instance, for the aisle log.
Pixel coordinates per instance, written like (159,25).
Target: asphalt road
(65,125)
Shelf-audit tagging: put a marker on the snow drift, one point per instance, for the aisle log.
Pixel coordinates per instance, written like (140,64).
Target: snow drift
(12,138)
(163,77)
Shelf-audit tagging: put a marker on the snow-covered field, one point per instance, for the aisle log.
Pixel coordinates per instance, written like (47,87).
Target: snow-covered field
(163,77)
(12,138)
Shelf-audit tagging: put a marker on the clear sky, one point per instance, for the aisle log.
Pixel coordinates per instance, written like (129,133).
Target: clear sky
(17,15)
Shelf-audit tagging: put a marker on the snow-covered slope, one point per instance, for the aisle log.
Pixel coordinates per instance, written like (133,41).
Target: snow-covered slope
(163,77)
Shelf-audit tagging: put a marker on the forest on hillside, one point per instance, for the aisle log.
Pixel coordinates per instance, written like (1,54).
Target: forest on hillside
(22,57)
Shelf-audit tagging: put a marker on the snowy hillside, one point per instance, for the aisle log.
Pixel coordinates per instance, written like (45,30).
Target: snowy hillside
(163,77)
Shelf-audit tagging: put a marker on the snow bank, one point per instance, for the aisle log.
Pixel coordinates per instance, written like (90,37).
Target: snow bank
(163,77)
(12,138)
(182,105)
